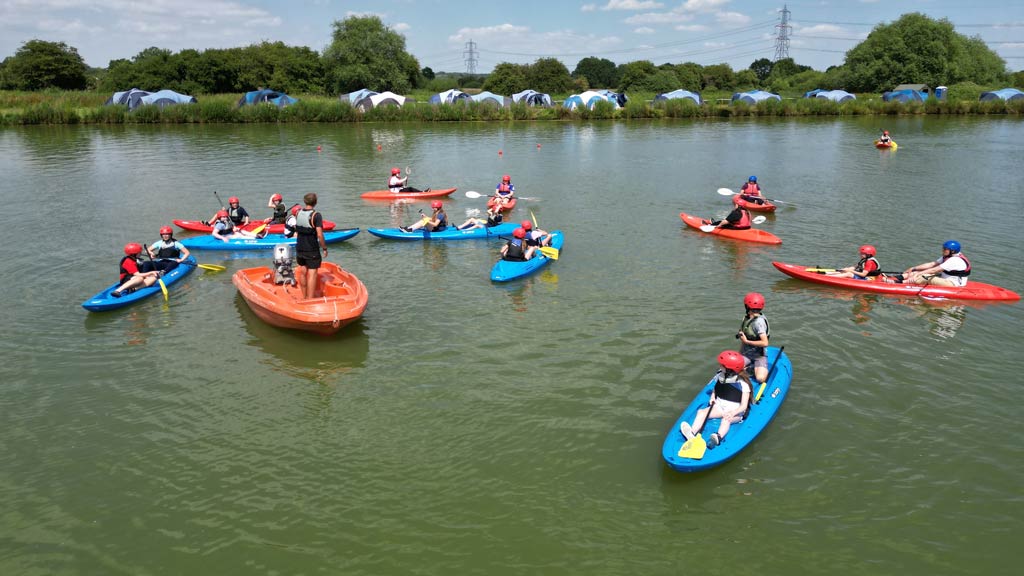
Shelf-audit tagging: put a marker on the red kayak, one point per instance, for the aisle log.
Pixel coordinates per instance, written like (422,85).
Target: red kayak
(506,208)
(197,226)
(972,291)
(886,145)
(753,206)
(748,235)
(389,195)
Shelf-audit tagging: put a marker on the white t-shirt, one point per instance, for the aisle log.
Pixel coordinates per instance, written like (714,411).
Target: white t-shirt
(953,263)
(395,184)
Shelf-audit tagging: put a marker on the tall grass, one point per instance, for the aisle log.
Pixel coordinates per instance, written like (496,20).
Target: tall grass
(18,108)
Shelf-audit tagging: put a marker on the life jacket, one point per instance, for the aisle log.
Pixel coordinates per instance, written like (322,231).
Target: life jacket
(168,251)
(304,222)
(395,184)
(533,238)
(229,227)
(280,213)
(516,250)
(744,222)
(504,190)
(751,189)
(233,214)
(494,220)
(442,221)
(729,387)
(289,226)
(747,328)
(124,272)
(958,273)
(860,266)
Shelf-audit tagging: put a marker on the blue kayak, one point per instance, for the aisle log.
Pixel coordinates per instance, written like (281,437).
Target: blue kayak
(268,242)
(449,233)
(104,301)
(740,435)
(505,270)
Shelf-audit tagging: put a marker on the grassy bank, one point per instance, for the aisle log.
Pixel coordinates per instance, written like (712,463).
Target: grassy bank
(29,108)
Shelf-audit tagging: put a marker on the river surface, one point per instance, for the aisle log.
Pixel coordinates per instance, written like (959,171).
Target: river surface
(464,427)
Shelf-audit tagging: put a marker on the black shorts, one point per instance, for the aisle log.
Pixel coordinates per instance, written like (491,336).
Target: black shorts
(311,261)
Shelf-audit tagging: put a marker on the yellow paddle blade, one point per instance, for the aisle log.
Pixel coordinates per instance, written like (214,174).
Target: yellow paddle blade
(760,391)
(826,270)
(694,449)
(259,229)
(163,288)
(535,225)
(213,267)
(549,252)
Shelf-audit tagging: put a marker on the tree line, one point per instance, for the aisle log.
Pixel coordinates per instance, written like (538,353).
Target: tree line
(364,53)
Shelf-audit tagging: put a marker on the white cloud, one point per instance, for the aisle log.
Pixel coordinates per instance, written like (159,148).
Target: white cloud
(703,5)
(732,18)
(716,44)
(632,5)
(492,32)
(658,18)
(644,30)
(588,7)
(401,27)
(691,28)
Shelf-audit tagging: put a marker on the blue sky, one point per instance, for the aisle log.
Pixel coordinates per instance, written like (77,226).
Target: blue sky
(736,32)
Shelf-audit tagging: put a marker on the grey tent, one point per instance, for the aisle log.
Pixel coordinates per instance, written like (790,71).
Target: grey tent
(353,97)
(532,98)
(130,97)
(382,100)
(491,98)
(677,94)
(165,98)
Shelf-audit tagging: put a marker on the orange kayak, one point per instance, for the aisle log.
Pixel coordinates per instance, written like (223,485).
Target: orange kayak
(748,235)
(753,206)
(507,207)
(340,299)
(389,195)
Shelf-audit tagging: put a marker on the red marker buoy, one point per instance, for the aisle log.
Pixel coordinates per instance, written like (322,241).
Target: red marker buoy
(378,147)
(538,146)
(499,152)
(318,148)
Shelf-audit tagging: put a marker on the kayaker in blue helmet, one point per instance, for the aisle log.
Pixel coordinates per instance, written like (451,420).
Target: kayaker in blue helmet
(754,334)
(729,401)
(952,269)
(751,191)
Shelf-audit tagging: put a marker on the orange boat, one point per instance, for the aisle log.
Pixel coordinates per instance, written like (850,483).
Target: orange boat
(340,299)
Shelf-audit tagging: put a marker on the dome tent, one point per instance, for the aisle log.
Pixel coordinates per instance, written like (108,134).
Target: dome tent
(678,94)
(904,96)
(449,97)
(587,99)
(165,98)
(755,96)
(130,97)
(382,100)
(532,98)
(1006,94)
(835,95)
(490,97)
(353,97)
(279,99)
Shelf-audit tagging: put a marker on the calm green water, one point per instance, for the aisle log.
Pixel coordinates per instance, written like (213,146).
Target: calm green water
(468,428)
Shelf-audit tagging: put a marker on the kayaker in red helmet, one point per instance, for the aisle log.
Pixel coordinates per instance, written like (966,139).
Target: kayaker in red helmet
(238,215)
(436,222)
(494,218)
(280,210)
(504,192)
(885,139)
(738,219)
(754,334)
(536,237)
(730,399)
(167,252)
(398,184)
(517,249)
(751,191)
(132,277)
(224,229)
(867,267)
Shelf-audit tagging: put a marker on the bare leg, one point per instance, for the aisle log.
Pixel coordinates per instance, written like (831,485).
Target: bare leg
(698,421)
(310,288)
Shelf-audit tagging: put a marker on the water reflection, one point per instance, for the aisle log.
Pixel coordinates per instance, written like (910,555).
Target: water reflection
(309,356)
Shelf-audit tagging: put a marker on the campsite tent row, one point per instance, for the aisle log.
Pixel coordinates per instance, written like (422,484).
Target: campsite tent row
(135,98)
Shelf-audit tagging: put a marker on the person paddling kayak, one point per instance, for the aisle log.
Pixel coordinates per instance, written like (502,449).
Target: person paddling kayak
(751,191)
(398,184)
(436,222)
(867,267)
(950,270)
(132,277)
(738,219)
(730,398)
(504,192)
(517,249)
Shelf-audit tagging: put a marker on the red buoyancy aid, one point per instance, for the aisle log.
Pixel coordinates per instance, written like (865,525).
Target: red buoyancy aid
(744,219)
(127,270)
(959,273)
(751,189)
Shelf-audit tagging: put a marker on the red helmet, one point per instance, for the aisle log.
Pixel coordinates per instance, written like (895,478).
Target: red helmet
(435,204)
(868,249)
(222,214)
(731,360)
(754,300)
(132,248)
(276,197)
(527,225)
(295,209)
(519,233)
(166,230)
(233,200)
(395,171)
(885,132)
(506,178)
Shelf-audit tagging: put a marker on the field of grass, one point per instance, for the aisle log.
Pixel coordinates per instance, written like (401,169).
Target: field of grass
(28,108)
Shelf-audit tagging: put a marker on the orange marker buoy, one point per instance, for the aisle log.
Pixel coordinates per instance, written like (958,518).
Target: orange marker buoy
(538,146)
(318,148)
(378,147)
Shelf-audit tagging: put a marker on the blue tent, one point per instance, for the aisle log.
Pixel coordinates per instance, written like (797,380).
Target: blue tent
(1004,94)
(904,96)
(490,97)
(588,99)
(166,98)
(814,92)
(532,98)
(675,94)
(382,100)
(356,96)
(835,95)
(754,96)
(617,97)
(449,97)
(130,97)
(279,99)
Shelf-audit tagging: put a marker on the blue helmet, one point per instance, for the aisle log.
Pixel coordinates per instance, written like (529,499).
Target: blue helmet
(951,245)
(752,179)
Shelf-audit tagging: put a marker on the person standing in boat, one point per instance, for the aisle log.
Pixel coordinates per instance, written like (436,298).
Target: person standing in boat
(751,191)
(436,222)
(730,399)
(309,229)
(738,219)
(516,249)
(167,252)
(132,277)
(868,266)
(753,335)
(504,192)
(280,210)
(950,270)
(398,184)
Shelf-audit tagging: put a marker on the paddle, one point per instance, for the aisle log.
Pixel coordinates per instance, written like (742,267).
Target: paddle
(163,287)
(474,194)
(771,370)
(694,448)
(827,270)
(728,192)
(757,220)
(545,250)
(213,267)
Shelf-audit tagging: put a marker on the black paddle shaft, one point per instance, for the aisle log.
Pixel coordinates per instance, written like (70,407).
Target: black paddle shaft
(772,369)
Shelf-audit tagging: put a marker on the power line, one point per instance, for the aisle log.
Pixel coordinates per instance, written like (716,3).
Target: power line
(994,25)
(782,41)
